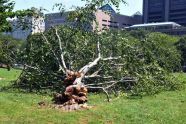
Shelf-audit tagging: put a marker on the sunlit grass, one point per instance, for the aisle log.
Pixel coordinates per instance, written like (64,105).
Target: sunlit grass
(164,108)
(8,76)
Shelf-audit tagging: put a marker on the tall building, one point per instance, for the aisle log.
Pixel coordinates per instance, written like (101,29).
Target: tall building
(164,11)
(104,20)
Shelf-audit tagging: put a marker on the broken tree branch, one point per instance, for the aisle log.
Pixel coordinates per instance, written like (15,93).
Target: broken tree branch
(105,91)
(98,76)
(90,86)
(87,67)
(61,50)
(45,38)
(111,58)
(28,66)
(98,84)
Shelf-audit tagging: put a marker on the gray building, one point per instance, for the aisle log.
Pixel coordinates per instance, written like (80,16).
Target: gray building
(164,11)
(53,19)
(32,25)
(104,20)
(170,28)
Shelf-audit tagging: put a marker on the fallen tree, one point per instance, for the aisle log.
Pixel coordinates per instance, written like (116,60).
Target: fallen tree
(70,61)
(116,62)
(75,89)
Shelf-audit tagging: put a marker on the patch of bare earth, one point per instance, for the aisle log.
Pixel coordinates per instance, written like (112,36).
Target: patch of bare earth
(65,107)
(1,78)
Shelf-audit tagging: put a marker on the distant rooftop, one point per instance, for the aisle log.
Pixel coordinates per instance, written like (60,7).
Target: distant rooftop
(107,8)
(155,24)
(137,13)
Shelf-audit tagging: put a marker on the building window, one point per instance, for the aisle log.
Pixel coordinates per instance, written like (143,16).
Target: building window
(113,22)
(115,26)
(104,20)
(124,24)
(104,25)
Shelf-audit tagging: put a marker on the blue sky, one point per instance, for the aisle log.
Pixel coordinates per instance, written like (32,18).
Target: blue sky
(129,9)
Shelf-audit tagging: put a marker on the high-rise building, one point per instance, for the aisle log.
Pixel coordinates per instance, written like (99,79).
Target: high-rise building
(164,11)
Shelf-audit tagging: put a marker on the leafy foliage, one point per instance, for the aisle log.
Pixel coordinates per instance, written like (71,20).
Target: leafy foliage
(9,49)
(181,46)
(147,59)
(143,56)
(6,12)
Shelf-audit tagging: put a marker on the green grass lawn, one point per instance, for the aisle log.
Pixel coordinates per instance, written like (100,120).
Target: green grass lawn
(164,108)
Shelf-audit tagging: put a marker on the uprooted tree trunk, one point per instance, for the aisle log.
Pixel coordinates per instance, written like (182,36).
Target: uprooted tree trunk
(76,91)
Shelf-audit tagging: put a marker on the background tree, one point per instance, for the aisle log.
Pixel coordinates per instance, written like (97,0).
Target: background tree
(10,46)
(9,50)
(181,46)
(6,12)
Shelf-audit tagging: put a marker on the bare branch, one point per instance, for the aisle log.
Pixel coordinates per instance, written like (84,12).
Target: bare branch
(128,79)
(99,51)
(87,67)
(103,88)
(45,38)
(114,83)
(59,63)
(111,58)
(28,66)
(105,91)
(118,64)
(61,50)
(98,84)
(97,76)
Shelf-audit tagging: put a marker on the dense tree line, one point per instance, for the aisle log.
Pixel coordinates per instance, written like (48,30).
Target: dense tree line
(181,46)
(10,50)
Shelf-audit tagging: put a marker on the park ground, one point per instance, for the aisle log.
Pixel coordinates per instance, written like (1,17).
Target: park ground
(164,108)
